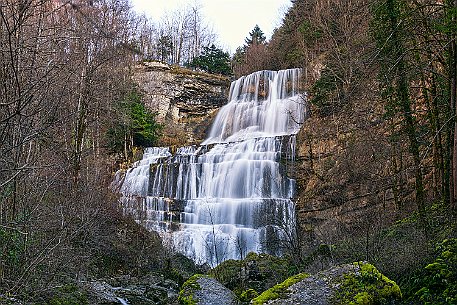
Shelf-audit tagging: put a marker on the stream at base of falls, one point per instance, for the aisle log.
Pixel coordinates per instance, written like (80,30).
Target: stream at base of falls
(230,195)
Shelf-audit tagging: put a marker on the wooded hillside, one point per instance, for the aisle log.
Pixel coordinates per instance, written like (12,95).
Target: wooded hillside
(378,154)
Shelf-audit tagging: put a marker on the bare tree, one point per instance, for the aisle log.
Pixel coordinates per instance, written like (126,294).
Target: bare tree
(62,65)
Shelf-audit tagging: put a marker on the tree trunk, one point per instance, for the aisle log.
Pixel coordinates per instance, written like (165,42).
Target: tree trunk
(453,94)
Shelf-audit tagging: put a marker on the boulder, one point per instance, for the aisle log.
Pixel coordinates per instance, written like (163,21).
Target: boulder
(133,291)
(358,284)
(205,290)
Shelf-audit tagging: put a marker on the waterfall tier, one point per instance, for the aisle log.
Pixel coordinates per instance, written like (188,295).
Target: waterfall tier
(230,195)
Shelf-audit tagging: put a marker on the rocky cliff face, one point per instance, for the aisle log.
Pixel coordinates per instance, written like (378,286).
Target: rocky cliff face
(184,100)
(349,183)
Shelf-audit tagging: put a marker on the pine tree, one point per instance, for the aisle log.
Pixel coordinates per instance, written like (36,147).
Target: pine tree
(136,125)
(165,47)
(256,36)
(213,60)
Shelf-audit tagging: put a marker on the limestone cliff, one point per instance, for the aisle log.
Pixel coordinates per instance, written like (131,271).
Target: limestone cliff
(349,181)
(184,100)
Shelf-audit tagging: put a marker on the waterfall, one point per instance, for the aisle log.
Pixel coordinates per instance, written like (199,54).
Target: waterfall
(230,195)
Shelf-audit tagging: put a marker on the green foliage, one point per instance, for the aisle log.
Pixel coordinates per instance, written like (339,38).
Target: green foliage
(309,32)
(238,57)
(164,47)
(69,294)
(12,249)
(136,124)
(325,93)
(278,291)
(437,284)
(367,287)
(256,36)
(213,60)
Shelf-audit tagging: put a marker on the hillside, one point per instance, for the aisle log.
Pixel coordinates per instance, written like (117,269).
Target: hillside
(376,157)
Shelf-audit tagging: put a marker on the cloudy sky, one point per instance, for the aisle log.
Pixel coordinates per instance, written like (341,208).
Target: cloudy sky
(232,20)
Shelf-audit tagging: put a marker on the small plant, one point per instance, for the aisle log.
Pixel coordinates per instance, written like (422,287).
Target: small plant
(136,126)
(438,284)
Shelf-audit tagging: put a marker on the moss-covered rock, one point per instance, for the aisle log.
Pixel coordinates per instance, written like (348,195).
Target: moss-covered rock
(366,286)
(248,295)
(278,291)
(349,284)
(187,293)
(257,272)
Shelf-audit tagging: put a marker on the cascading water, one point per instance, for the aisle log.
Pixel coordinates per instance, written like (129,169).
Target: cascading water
(230,195)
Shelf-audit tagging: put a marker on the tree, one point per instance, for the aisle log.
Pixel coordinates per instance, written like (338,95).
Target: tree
(213,60)
(452,34)
(186,35)
(389,33)
(164,47)
(135,126)
(256,36)
(62,64)
(253,56)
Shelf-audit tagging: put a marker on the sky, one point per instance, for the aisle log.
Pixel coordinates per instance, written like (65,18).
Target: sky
(232,20)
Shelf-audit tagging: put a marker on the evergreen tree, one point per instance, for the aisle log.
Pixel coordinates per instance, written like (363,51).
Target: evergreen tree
(164,47)
(256,36)
(213,60)
(135,126)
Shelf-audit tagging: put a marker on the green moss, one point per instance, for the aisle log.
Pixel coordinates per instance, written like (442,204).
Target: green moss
(248,295)
(367,286)
(363,298)
(256,271)
(278,291)
(188,289)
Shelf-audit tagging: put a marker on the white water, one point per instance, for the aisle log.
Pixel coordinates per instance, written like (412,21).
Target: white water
(231,195)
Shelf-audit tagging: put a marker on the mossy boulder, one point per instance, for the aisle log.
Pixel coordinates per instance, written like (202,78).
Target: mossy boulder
(351,284)
(257,272)
(205,290)
(278,291)
(365,285)
(248,295)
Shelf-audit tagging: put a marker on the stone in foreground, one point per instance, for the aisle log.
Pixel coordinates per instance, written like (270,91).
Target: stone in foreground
(356,284)
(204,290)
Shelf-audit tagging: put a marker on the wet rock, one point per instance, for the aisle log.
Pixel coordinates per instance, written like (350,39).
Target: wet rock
(133,291)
